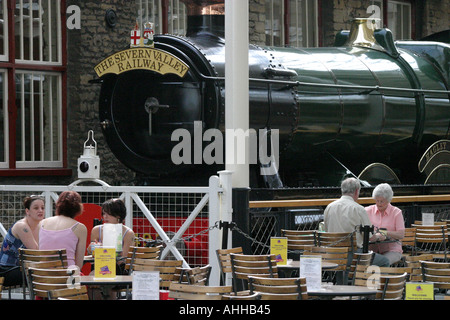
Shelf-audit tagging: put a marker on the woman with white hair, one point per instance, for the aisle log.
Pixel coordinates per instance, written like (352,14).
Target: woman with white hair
(388,223)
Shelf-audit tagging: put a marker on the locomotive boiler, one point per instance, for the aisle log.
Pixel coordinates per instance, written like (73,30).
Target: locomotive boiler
(366,106)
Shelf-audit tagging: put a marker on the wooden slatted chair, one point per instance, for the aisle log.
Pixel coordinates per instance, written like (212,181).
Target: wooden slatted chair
(44,280)
(76,293)
(223,256)
(40,258)
(180,291)
(359,259)
(244,266)
(196,275)
(279,288)
(167,269)
(416,268)
(392,287)
(438,273)
(338,255)
(409,242)
(370,275)
(336,239)
(432,239)
(152,253)
(299,239)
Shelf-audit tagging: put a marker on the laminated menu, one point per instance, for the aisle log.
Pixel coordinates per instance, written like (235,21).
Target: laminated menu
(105,263)
(311,269)
(278,247)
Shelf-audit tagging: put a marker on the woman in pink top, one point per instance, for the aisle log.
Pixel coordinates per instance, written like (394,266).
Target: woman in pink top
(388,223)
(63,231)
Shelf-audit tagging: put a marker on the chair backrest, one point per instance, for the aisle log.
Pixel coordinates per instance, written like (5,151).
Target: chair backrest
(279,288)
(432,238)
(40,258)
(2,279)
(223,256)
(141,253)
(196,275)
(336,239)
(243,265)
(370,275)
(44,280)
(338,255)
(298,239)
(436,272)
(414,263)
(75,293)
(409,237)
(392,287)
(166,268)
(360,259)
(180,291)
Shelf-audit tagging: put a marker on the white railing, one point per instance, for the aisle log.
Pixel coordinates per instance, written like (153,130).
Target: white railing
(214,204)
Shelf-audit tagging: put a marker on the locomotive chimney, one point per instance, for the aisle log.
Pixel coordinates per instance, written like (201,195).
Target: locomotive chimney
(362,34)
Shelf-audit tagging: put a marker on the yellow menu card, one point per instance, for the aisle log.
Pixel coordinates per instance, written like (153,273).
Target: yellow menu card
(419,291)
(105,263)
(278,247)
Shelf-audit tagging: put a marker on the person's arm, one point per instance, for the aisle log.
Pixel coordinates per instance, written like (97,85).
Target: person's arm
(23,232)
(81,233)
(95,235)
(127,242)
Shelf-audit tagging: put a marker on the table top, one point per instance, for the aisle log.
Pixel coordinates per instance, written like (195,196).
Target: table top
(295,264)
(119,279)
(342,290)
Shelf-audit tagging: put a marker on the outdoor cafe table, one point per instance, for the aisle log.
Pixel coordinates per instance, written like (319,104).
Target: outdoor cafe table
(330,291)
(119,280)
(294,265)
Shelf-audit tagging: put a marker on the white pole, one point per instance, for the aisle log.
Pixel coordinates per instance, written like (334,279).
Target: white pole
(236,90)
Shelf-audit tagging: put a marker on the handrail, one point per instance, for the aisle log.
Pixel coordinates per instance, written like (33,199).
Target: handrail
(324,202)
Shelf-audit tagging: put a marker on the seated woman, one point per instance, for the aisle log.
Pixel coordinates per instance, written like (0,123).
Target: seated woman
(62,231)
(388,223)
(23,234)
(114,211)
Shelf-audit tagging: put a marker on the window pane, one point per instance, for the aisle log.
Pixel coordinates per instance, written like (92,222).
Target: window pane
(274,23)
(3,30)
(37,27)
(38,134)
(150,13)
(303,23)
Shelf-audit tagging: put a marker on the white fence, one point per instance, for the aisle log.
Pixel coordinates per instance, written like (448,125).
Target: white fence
(183,218)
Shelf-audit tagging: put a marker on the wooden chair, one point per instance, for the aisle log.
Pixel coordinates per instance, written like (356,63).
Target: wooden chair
(243,266)
(279,288)
(409,242)
(432,239)
(69,294)
(180,291)
(392,287)
(166,268)
(44,280)
(40,258)
(299,239)
(141,253)
(438,273)
(336,239)
(416,268)
(223,256)
(359,259)
(338,255)
(197,275)
(363,274)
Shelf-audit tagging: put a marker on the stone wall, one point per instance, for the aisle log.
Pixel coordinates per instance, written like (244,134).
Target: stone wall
(86,47)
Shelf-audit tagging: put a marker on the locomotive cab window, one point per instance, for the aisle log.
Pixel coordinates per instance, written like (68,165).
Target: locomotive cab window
(31,72)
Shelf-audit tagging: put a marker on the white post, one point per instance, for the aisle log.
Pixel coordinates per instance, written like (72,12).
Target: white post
(226,207)
(214,234)
(236,89)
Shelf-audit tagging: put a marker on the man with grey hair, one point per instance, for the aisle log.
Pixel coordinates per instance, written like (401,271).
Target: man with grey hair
(346,215)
